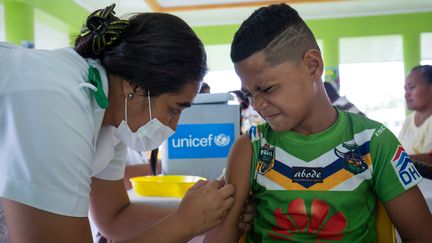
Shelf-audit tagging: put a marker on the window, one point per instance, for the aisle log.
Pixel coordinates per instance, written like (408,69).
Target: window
(221,75)
(371,49)
(426,48)
(377,90)
(321,46)
(222,81)
(2,24)
(372,77)
(50,33)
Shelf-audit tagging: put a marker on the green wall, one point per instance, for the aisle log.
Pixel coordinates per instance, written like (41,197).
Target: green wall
(338,27)
(19,17)
(409,26)
(22,15)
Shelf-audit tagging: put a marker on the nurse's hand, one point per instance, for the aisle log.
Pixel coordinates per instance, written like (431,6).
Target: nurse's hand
(248,211)
(205,205)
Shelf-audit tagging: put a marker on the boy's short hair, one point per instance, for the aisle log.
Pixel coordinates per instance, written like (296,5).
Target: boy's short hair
(278,30)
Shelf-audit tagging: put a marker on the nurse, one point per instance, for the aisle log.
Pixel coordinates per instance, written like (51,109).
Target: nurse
(67,116)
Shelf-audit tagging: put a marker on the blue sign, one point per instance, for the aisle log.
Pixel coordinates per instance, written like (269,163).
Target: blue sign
(191,141)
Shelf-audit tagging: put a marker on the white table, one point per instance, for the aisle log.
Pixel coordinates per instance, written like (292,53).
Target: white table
(170,202)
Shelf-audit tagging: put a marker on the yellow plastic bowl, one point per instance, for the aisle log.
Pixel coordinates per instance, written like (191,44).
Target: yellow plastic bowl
(163,185)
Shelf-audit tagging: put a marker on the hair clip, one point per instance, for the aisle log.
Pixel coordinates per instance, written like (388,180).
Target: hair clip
(105,32)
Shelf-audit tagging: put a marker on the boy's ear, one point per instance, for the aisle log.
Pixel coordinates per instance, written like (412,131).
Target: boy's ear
(314,63)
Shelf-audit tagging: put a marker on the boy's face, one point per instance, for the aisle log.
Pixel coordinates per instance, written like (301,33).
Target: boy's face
(282,94)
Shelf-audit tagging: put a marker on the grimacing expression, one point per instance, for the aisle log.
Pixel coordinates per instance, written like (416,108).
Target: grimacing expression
(418,92)
(165,107)
(282,94)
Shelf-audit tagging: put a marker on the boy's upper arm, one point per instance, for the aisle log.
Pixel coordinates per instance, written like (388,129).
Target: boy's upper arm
(395,179)
(393,171)
(410,215)
(239,163)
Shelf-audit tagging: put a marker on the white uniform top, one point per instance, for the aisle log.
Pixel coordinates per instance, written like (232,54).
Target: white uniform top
(136,157)
(416,140)
(51,143)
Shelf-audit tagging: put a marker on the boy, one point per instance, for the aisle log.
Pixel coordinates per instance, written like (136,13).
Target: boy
(315,172)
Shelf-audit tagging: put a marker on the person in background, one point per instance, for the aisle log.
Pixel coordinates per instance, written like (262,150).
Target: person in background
(416,133)
(205,88)
(249,117)
(315,172)
(341,102)
(67,117)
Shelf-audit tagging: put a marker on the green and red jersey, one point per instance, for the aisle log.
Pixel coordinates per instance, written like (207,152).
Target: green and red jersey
(323,187)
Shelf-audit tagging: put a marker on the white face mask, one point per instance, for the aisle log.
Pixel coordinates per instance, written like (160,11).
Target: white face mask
(146,138)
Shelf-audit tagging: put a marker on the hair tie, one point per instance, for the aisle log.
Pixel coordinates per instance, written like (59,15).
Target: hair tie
(105,33)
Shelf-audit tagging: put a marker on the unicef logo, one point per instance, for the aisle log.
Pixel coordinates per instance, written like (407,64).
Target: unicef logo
(222,140)
(193,141)
(210,140)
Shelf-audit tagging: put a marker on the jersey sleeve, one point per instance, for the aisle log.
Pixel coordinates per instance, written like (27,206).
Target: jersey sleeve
(46,145)
(393,171)
(255,136)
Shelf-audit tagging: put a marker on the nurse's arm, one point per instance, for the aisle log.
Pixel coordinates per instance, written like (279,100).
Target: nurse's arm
(28,224)
(202,208)
(411,216)
(115,216)
(239,166)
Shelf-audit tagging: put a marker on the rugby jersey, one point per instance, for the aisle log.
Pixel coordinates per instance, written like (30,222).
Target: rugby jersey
(323,187)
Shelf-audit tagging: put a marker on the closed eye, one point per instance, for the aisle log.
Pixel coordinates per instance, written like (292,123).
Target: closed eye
(179,107)
(268,90)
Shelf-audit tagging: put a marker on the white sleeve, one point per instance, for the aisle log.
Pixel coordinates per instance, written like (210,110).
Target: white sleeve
(116,167)
(46,146)
(136,157)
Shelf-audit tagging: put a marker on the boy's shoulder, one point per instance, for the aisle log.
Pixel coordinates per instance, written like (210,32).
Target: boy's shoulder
(260,131)
(359,120)
(347,120)
(361,123)
(255,131)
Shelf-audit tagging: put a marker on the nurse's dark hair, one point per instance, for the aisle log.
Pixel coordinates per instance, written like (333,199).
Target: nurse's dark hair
(156,51)
(426,72)
(278,30)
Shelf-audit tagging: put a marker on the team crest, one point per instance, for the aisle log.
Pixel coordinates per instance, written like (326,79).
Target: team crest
(265,159)
(354,161)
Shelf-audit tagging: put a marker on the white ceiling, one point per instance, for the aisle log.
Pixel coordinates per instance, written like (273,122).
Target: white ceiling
(220,16)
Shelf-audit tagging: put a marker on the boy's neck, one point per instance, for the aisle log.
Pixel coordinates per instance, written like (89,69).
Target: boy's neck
(322,115)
